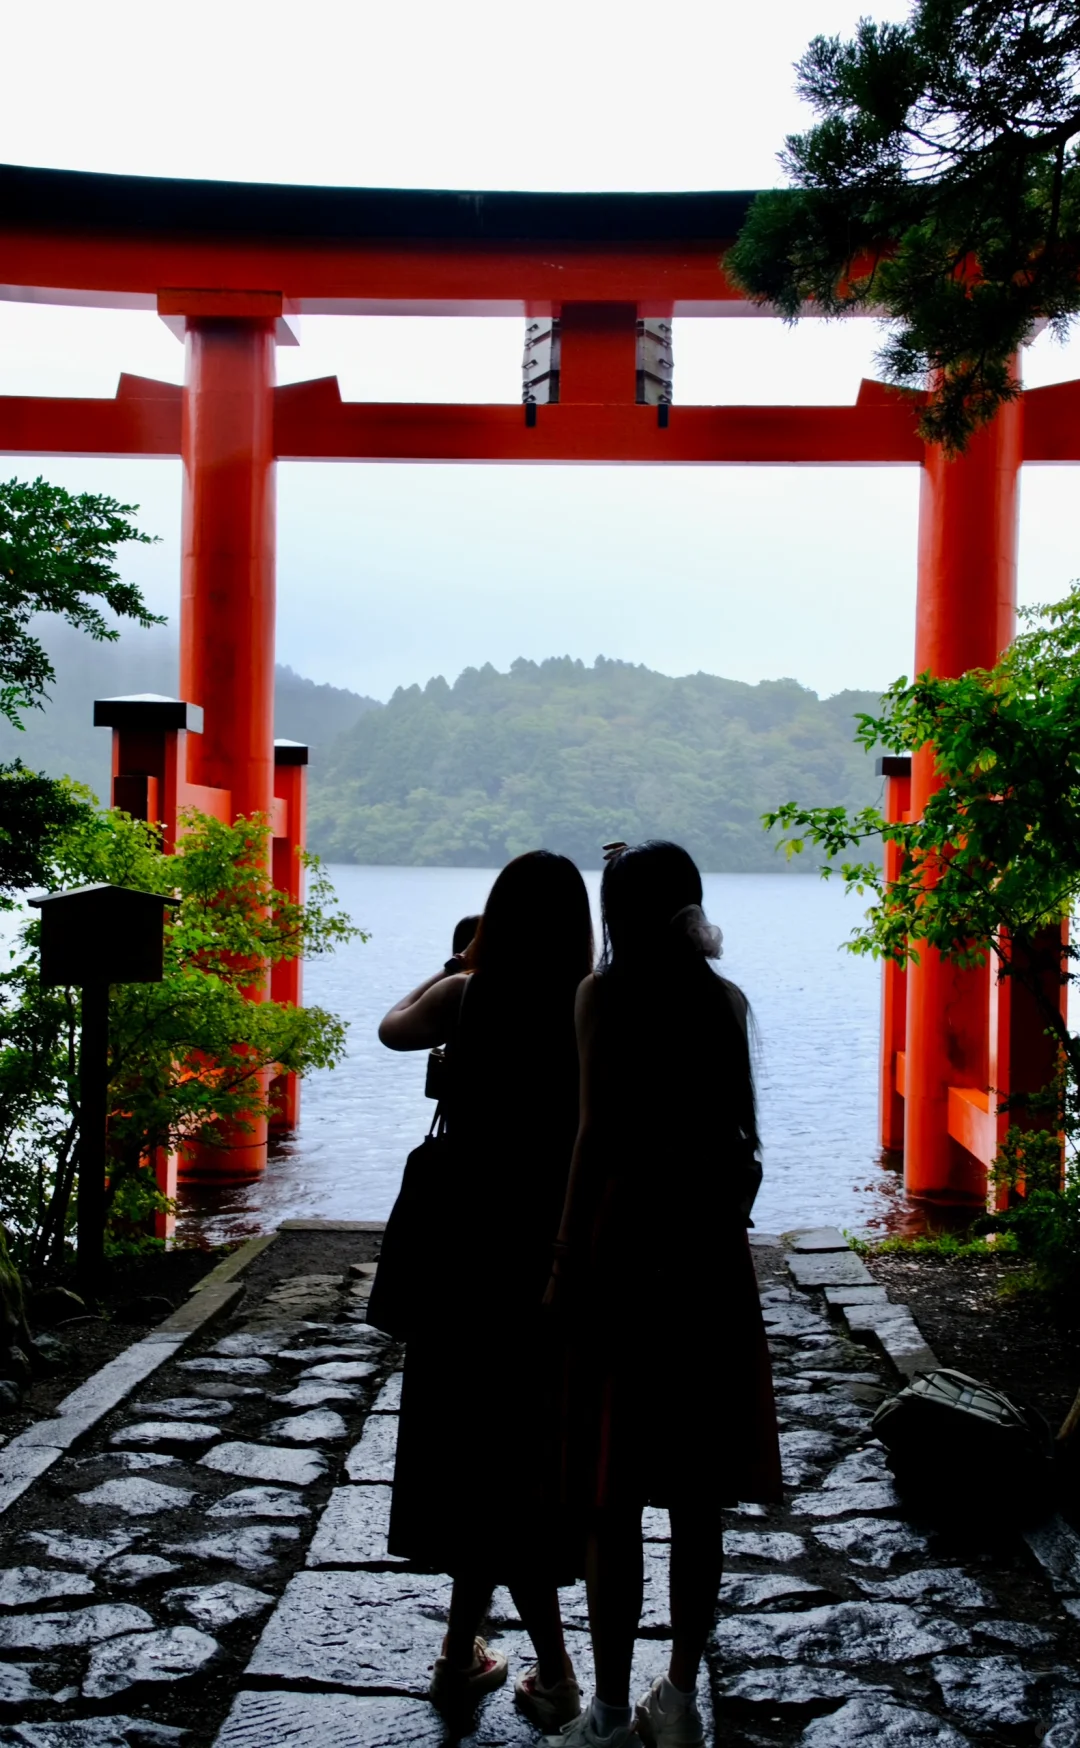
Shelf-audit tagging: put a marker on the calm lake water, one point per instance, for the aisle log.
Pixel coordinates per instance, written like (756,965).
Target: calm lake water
(817,1017)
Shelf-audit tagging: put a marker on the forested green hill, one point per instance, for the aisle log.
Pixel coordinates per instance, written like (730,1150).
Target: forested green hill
(568,756)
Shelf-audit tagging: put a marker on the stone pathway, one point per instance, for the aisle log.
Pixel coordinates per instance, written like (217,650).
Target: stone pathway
(213,1568)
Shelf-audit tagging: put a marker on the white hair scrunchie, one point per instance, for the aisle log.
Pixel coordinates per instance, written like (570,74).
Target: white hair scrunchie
(692,923)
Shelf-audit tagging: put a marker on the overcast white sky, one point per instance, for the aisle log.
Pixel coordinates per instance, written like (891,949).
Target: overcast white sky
(390,574)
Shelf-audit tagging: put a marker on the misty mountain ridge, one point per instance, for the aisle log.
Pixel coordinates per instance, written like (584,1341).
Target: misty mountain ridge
(62,741)
(570,756)
(553,752)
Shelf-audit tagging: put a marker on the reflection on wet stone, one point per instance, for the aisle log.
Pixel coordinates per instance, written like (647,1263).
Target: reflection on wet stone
(261,1502)
(21,1585)
(330,1720)
(85,1551)
(297,1468)
(848,1633)
(214,1606)
(318,1426)
(355,1630)
(253,1549)
(131,1570)
(353,1529)
(165,1655)
(871,1541)
(373,1458)
(774,1545)
(137,1496)
(984,1690)
(795,1688)
(931,1584)
(80,1626)
(870,1721)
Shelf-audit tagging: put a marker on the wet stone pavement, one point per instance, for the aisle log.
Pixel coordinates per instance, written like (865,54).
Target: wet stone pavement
(211,1568)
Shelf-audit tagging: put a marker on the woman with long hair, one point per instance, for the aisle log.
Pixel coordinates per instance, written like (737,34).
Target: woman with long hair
(670,1395)
(471,1482)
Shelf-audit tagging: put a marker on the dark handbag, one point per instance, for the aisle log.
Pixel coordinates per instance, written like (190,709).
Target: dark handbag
(412,1260)
(957,1445)
(426,1233)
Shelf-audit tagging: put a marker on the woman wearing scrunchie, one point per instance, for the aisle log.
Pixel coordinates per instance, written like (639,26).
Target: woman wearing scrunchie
(669,1399)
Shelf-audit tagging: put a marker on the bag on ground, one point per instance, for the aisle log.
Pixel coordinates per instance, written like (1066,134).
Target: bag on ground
(958,1443)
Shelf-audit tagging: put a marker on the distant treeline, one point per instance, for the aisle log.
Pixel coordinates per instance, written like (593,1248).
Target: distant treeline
(552,753)
(62,741)
(569,756)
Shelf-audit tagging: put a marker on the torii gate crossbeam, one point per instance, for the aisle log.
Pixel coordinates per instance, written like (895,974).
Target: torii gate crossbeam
(229,266)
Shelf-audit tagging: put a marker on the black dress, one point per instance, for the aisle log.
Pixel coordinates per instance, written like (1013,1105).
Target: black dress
(477,1435)
(664,1302)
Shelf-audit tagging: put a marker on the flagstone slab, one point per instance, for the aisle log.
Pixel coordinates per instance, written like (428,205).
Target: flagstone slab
(21,1585)
(310,1356)
(844,1296)
(353,1529)
(131,1570)
(179,1435)
(123,1461)
(254,1548)
(792,1688)
(88,1552)
(97,1732)
(873,1721)
(803,1451)
(80,1626)
(297,1467)
(848,1634)
(330,1720)
(183,1408)
(838,1501)
(214,1365)
(1020,1634)
(866,1465)
(316,1394)
(871,1541)
(817,1238)
(985,1692)
(137,1496)
(261,1502)
(358,1630)
(341,1371)
(261,1344)
(214,1606)
(18,1687)
(943,1586)
(168,1654)
(388,1401)
(318,1426)
(754,1590)
(833,1269)
(372,1459)
(777,1546)
(1056,1546)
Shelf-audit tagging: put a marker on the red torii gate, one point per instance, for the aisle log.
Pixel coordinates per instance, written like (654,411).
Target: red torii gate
(227,265)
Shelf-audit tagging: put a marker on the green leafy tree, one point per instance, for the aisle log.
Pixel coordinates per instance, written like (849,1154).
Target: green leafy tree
(941,187)
(187,1055)
(57,557)
(989,871)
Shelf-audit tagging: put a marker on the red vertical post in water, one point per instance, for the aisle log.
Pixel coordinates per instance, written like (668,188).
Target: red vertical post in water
(227,595)
(897,774)
(965,617)
(290,837)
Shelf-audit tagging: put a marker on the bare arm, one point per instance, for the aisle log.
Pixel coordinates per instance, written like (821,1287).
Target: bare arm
(426,1016)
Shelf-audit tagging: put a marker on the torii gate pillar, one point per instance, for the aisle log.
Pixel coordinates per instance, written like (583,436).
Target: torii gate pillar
(227,595)
(965,618)
(227,590)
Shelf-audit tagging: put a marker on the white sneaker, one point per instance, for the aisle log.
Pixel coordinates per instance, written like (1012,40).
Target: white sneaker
(580,1734)
(679,1727)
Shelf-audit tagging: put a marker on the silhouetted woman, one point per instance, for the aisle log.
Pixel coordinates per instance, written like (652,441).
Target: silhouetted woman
(470,1484)
(671,1399)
